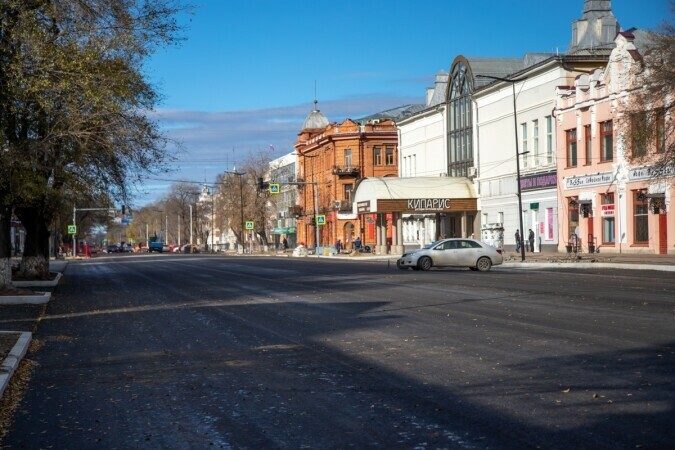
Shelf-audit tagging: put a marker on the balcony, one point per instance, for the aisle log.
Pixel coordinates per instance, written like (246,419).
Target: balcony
(346,171)
(343,206)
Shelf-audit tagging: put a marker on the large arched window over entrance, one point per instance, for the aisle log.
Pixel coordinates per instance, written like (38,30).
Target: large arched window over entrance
(460,150)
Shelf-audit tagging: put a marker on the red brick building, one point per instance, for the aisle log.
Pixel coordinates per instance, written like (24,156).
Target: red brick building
(335,157)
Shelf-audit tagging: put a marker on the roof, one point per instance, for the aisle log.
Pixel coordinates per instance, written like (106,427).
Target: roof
(395,114)
(316,120)
(394,188)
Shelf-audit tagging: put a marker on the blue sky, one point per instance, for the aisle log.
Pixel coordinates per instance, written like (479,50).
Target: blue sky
(244,77)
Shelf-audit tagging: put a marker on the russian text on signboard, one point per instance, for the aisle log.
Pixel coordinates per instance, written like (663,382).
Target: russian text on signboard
(588,180)
(538,181)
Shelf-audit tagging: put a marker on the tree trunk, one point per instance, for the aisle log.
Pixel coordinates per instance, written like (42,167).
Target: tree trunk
(35,261)
(5,248)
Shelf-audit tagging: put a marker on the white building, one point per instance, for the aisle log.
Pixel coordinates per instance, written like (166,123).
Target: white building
(282,171)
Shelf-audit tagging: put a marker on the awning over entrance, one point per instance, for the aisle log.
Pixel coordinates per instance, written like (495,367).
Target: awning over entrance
(413,195)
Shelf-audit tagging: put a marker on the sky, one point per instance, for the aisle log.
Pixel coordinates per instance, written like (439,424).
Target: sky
(246,74)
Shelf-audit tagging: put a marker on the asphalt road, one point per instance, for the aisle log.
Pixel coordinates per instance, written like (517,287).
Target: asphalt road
(182,351)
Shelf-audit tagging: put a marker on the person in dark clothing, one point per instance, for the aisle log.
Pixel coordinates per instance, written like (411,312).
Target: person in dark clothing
(517,240)
(530,237)
(357,243)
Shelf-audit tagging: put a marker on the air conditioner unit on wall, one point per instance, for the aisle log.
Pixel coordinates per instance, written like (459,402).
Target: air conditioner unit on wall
(337,204)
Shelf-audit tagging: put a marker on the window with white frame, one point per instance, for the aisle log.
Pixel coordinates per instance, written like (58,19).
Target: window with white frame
(535,141)
(549,140)
(523,148)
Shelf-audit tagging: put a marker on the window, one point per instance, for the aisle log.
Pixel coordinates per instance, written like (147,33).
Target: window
(389,156)
(640,218)
(606,141)
(608,221)
(460,124)
(535,138)
(348,188)
(589,145)
(485,218)
(573,216)
(377,156)
(638,131)
(524,145)
(348,157)
(549,140)
(660,131)
(571,147)
(500,215)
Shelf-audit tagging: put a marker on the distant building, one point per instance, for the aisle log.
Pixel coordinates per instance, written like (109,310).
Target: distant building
(282,205)
(333,158)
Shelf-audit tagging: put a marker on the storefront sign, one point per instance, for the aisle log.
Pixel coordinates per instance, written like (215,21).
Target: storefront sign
(363,207)
(419,205)
(648,172)
(538,181)
(428,204)
(607,210)
(588,180)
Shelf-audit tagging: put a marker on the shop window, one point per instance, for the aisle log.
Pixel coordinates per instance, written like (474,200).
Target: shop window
(640,218)
(573,217)
(608,220)
(588,145)
(571,147)
(606,141)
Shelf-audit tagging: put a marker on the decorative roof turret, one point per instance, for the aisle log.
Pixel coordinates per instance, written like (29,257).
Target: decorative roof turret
(316,120)
(596,30)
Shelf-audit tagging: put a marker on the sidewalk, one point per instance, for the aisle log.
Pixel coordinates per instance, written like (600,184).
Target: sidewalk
(557,260)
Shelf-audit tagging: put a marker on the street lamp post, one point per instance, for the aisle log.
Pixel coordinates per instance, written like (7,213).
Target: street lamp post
(513,82)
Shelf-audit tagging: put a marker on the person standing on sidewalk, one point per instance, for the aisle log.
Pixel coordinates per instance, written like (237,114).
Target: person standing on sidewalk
(517,241)
(530,237)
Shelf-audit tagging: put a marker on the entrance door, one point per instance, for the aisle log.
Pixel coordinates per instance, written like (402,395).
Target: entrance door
(663,234)
(591,237)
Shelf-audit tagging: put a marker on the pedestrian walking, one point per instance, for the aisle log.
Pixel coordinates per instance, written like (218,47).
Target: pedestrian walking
(357,243)
(338,246)
(530,237)
(517,240)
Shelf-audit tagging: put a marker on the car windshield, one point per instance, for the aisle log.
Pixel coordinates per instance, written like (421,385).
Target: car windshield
(432,245)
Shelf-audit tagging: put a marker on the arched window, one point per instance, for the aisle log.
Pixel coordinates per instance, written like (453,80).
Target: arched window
(460,142)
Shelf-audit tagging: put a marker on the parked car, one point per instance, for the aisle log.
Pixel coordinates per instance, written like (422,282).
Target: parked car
(457,252)
(112,248)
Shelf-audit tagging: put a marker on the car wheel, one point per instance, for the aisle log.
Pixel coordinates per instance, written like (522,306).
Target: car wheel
(483,264)
(424,263)
(398,264)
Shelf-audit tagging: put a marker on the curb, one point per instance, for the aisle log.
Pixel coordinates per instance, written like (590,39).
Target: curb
(39,283)
(39,298)
(578,265)
(11,362)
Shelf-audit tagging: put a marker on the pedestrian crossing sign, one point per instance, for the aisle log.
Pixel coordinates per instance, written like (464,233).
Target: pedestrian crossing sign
(274,188)
(321,219)
(249,224)
(72,229)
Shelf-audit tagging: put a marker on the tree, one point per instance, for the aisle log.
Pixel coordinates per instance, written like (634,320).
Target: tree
(649,123)
(73,104)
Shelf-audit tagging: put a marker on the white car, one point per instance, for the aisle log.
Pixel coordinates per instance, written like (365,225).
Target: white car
(454,252)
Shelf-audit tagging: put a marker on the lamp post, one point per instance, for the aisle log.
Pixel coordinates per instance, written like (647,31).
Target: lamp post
(241,203)
(513,82)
